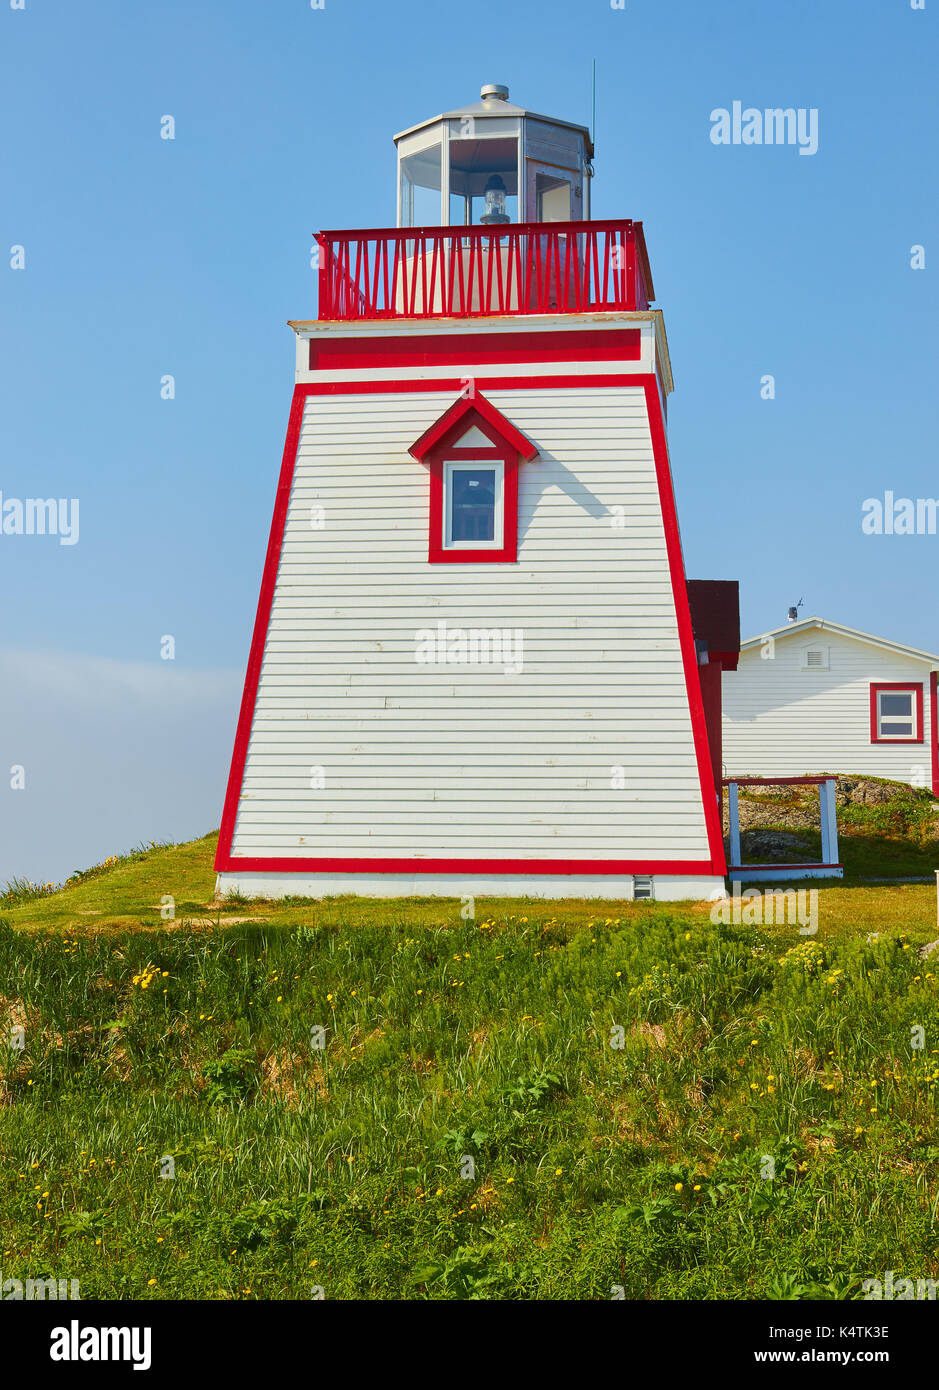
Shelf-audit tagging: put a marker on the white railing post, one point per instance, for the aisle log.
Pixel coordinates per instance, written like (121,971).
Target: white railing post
(733,816)
(829,821)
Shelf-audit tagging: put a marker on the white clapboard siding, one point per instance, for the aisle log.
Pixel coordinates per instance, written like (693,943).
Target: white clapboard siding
(780,720)
(460,761)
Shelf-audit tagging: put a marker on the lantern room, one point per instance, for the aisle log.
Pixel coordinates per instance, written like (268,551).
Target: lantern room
(492,163)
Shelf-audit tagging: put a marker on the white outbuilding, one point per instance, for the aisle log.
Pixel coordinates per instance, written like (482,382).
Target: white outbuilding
(815,696)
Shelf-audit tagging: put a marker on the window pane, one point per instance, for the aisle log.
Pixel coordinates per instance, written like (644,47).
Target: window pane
(900,703)
(473,504)
(554,199)
(473,163)
(420,188)
(896,714)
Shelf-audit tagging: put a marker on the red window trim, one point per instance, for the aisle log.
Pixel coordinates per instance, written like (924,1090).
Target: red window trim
(441,443)
(876,688)
(440,554)
(934,729)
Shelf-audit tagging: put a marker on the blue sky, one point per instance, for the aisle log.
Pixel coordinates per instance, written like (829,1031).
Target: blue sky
(147,256)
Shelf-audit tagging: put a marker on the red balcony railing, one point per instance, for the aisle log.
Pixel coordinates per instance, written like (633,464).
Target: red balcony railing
(466,272)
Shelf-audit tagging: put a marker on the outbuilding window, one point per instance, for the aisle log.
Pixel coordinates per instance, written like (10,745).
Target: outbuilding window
(896,713)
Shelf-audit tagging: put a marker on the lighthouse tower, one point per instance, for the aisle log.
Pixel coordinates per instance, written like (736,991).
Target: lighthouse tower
(474,667)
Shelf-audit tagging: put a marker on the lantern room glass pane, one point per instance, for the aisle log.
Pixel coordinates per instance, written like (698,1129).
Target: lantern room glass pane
(479,164)
(554,199)
(420,188)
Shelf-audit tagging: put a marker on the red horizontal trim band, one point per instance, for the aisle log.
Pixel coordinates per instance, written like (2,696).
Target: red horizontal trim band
(454,383)
(442,350)
(225,863)
(441,555)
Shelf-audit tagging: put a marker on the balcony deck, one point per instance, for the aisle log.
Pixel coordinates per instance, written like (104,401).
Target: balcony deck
(471,272)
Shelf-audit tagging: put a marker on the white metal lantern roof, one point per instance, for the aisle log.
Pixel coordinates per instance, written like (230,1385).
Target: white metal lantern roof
(493,105)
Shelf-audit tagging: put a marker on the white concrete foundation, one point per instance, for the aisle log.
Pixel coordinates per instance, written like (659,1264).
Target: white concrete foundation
(783,873)
(666,887)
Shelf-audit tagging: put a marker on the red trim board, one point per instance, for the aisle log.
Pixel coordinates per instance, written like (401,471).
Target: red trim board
(261,622)
(467,384)
(686,636)
(716,864)
(330,353)
(934,730)
(469,866)
(469,410)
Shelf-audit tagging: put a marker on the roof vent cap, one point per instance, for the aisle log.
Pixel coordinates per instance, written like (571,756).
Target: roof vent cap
(494,91)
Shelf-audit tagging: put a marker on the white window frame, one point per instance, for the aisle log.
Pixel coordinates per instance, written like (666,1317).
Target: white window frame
(914,720)
(451,466)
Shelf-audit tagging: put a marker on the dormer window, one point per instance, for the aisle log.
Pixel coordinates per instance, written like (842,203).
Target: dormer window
(473,454)
(473,503)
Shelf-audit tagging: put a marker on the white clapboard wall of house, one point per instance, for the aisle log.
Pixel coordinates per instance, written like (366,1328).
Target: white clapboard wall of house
(804,700)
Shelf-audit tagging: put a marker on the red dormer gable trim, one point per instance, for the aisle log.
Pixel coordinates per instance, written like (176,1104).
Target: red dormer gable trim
(454,421)
(441,442)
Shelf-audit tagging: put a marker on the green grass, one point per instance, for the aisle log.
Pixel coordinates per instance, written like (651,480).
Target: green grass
(620,1076)
(123,891)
